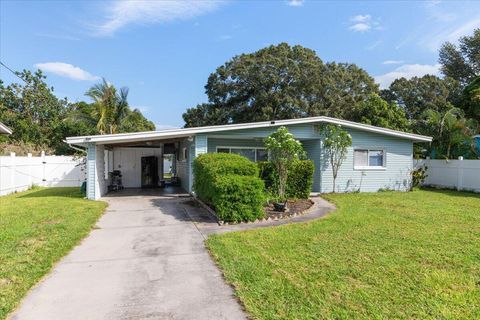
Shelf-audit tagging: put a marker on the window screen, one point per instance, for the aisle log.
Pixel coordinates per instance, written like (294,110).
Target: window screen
(360,158)
(262,155)
(375,158)
(247,153)
(368,158)
(223,150)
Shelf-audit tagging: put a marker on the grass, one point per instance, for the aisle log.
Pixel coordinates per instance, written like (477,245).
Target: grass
(37,228)
(378,256)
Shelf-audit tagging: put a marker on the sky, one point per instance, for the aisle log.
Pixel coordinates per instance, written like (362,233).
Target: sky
(164,51)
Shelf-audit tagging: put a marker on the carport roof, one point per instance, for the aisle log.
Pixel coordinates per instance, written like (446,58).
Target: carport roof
(188,132)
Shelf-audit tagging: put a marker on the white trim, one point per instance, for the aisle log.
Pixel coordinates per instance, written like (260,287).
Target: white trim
(186,132)
(4,129)
(370,168)
(234,147)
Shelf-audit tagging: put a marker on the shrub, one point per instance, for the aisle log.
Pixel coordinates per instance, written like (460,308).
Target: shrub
(238,198)
(230,184)
(208,166)
(299,182)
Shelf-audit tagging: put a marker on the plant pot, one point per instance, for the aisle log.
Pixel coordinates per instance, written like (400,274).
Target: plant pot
(282,207)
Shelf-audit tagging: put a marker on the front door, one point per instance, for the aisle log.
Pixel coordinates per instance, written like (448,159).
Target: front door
(149,172)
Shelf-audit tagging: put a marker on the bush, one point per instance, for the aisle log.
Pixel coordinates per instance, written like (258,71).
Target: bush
(230,184)
(238,198)
(299,182)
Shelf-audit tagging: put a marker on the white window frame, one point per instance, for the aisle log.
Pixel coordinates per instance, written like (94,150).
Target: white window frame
(233,147)
(369,167)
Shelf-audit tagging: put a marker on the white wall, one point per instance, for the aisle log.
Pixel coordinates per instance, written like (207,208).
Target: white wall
(458,174)
(20,173)
(129,162)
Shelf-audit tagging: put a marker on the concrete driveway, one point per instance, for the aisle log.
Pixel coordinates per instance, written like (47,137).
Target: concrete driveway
(146,260)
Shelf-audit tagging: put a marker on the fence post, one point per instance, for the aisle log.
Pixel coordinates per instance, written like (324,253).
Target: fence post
(30,179)
(44,179)
(12,171)
(460,173)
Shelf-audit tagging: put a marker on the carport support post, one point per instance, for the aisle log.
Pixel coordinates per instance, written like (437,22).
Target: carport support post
(200,147)
(91,170)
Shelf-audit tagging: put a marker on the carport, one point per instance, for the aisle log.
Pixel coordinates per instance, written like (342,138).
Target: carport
(158,161)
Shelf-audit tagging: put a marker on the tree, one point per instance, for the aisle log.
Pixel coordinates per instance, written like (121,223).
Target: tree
(377,112)
(283,150)
(336,142)
(32,110)
(451,132)
(418,94)
(111,111)
(471,99)
(279,82)
(462,62)
(344,85)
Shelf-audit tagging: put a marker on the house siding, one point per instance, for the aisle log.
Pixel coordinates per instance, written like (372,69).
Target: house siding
(396,175)
(313,150)
(182,165)
(91,176)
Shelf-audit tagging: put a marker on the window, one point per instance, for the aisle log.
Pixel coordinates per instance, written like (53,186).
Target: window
(368,159)
(253,154)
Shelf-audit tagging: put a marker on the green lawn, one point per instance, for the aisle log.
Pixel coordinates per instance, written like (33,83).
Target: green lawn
(37,228)
(378,256)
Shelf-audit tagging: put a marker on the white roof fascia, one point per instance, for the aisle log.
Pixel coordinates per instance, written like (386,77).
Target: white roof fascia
(186,132)
(4,129)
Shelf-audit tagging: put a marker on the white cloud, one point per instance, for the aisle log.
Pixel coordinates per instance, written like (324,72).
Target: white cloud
(452,34)
(363,23)
(392,62)
(122,13)
(407,71)
(360,27)
(66,70)
(361,18)
(295,3)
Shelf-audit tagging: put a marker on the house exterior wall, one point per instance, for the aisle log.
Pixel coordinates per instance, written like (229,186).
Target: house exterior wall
(96,186)
(313,150)
(182,165)
(395,176)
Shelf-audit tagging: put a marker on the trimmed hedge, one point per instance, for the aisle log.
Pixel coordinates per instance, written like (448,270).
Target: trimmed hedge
(230,184)
(300,178)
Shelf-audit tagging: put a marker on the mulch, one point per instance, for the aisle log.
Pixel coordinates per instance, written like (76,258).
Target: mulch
(295,207)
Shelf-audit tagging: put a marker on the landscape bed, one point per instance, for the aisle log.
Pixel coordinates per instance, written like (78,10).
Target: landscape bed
(378,256)
(37,228)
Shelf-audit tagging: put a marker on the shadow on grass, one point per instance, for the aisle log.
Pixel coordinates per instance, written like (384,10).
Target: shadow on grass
(452,192)
(67,192)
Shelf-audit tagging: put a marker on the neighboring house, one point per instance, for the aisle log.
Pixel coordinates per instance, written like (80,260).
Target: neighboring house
(476,141)
(378,159)
(4,130)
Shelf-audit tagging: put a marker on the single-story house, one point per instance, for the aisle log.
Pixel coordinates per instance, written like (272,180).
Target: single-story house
(379,158)
(4,130)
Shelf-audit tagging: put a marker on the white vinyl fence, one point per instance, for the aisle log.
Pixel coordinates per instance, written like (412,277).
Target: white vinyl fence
(459,174)
(20,173)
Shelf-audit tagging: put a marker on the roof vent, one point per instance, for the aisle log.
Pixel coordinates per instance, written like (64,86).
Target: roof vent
(272,122)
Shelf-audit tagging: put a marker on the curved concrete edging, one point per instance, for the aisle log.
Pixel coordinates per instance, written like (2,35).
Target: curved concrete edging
(319,209)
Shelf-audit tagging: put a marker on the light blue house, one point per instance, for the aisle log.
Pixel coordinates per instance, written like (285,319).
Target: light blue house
(379,158)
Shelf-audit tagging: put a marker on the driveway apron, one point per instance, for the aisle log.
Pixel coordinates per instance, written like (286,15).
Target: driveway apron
(146,260)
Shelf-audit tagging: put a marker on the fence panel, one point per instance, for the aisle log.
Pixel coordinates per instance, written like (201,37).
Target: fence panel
(459,174)
(20,173)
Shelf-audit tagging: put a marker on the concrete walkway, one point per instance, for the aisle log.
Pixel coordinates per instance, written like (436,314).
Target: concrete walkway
(146,260)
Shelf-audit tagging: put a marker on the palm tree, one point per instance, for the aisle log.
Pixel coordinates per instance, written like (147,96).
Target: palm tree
(110,107)
(450,130)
